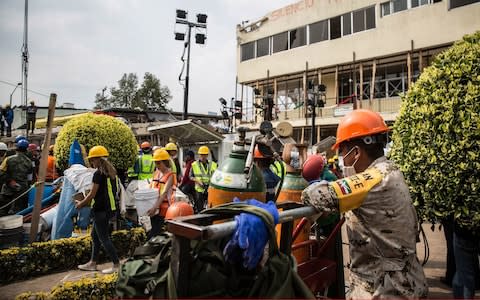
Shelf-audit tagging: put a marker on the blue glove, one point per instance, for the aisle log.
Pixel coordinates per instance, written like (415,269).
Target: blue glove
(250,236)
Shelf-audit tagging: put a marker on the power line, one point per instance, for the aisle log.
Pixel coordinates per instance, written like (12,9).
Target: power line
(35,92)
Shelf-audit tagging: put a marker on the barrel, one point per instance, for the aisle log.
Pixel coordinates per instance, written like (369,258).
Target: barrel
(11,231)
(292,187)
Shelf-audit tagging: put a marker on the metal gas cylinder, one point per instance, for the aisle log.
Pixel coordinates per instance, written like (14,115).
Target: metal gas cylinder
(236,177)
(292,188)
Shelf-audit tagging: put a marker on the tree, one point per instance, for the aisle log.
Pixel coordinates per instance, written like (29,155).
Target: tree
(151,95)
(125,95)
(436,137)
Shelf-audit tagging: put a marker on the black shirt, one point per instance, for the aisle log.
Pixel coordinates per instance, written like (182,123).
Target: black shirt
(102,201)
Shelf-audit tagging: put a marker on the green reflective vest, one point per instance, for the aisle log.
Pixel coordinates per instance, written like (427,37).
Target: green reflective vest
(173,167)
(203,174)
(277,168)
(146,167)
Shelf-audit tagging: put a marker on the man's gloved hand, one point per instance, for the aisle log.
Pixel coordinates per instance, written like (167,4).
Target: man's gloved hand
(250,236)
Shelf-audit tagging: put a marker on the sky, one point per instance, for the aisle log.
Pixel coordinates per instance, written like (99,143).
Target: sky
(78,47)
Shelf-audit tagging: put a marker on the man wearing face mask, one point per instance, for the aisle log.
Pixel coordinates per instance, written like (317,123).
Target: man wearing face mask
(381,221)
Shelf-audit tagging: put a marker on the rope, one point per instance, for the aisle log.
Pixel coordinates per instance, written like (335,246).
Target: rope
(22,194)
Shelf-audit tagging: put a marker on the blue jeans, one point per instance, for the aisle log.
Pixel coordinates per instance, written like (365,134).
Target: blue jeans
(101,236)
(466,256)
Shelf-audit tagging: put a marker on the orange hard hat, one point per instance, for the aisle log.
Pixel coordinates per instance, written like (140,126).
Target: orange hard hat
(313,167)
(359,123)
(145,145)
(257,153)
(178,209)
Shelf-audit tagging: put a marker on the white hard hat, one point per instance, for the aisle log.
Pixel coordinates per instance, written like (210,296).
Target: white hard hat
(3,146)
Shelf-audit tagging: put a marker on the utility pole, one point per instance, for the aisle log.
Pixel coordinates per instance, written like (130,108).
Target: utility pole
(199,39)
(25,57)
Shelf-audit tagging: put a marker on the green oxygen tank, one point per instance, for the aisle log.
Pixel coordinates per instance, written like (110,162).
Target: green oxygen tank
(237,177)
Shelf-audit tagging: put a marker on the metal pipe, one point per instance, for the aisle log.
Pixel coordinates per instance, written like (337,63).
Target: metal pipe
(225,229)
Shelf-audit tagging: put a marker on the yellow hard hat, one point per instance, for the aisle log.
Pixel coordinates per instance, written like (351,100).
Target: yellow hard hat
(97,151)
(203,150)
(161,154)
(331,160)
(171,147)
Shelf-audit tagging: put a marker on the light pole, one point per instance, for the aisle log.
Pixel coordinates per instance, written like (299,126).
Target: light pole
(318,93)
(199,39)
(11,95)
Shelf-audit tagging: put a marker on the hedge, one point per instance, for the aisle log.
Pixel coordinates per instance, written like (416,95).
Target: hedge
(60,255)
(92,130)
(436,137)
(98,287)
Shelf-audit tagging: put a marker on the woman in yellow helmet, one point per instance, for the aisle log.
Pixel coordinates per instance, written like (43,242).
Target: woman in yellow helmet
(102,200)
(165,180)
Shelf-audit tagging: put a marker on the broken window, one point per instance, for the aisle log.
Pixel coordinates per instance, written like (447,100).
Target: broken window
(298,37)
(280,42)
(248,51)
(335,28)
(319,31)
(263,47)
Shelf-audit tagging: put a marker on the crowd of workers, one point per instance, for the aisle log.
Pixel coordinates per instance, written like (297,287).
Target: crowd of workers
(19,169)
(363,184)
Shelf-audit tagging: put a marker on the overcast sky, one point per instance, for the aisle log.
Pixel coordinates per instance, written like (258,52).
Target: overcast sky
(78,47)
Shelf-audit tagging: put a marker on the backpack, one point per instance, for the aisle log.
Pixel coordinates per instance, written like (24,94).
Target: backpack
(148,273)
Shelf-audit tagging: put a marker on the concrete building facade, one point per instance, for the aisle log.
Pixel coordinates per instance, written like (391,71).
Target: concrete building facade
(364,52)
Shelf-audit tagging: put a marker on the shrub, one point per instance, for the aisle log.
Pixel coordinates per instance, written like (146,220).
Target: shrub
(436,137)
(94,129)
(98,287)
(59,255)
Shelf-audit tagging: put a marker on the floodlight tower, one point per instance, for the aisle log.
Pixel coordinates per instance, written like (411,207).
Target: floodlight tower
(199,39)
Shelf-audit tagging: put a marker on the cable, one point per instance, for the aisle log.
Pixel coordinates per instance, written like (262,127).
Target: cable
(38,93)
(426,248)
(21,195)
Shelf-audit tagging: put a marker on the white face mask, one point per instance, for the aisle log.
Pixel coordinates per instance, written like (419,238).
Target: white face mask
(348,170)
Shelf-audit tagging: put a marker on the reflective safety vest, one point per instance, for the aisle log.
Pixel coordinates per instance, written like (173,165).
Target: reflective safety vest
(113,198)
(146,166)
(51,170)
(199,172)
(276,167)
(173,167)
(161,184)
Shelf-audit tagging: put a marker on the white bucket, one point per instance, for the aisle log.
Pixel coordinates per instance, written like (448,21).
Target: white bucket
(144,200)
(47,217)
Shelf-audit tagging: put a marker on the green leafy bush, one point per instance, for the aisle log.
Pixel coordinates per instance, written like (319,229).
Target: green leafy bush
(95,129)
(99,287)
(59,255)
(436,137)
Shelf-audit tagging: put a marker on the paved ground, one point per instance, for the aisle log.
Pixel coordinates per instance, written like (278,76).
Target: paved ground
(434,269)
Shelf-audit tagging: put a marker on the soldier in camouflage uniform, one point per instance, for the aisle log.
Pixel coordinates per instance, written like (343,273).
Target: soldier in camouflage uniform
(16,173)
(381,221)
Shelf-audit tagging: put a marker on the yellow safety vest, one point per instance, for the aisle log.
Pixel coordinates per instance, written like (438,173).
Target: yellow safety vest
(204,175)
(146,167)
(277,168)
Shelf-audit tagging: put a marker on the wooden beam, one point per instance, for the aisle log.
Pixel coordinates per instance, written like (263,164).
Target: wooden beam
(409,68)
(302,138)
(336,84)
(37,206)
(275,96)
(372,85)
(361,85)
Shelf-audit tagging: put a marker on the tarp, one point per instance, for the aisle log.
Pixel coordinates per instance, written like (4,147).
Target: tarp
(187,132)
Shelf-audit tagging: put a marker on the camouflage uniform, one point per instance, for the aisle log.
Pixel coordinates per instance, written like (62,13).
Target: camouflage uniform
(18,168)
(382,234)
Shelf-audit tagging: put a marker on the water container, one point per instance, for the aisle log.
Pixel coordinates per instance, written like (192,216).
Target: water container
(144,200)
